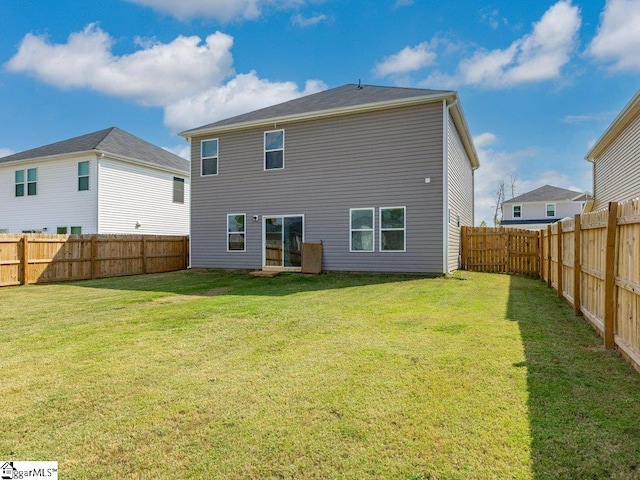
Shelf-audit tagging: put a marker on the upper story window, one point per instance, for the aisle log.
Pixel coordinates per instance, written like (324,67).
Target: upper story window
(83,176)
(209,157)
(19,183)
(31,182)
(393,229)
(274,150)
(178,190)
(517,211)
(361,228)
(551,209)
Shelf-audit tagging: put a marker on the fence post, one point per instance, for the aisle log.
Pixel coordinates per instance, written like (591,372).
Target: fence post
(94,254)
(577,265)
(549,255)
(24,278)
(144,254)
(559,269)
(610,277)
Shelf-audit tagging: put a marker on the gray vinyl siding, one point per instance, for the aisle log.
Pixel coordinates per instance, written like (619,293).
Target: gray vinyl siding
(616,172)
(368,160)
(460,192)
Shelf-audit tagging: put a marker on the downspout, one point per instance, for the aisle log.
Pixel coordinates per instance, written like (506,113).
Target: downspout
(99,156)
(445,184)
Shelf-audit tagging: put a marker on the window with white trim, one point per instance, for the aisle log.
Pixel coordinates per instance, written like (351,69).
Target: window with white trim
(361,236)
(393,229)
(236,231)
(83,176)
(517,211)
(32,181)
(551,209)
(209,157)
(274,150)
(20,183)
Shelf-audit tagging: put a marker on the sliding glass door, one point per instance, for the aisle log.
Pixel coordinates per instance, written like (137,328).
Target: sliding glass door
(283,237)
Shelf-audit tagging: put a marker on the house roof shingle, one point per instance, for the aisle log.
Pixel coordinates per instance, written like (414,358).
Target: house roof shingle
(110,140)
(350,95)
(548,193)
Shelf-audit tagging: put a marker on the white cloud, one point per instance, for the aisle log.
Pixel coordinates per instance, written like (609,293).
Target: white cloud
(156,74)
(221,10)
(538,56)
(499,165)
(618,39)
(495,166)
(302,21)
(183,151)
(409,59)
(243,93)
(193,80)
(6,151)
(590,117)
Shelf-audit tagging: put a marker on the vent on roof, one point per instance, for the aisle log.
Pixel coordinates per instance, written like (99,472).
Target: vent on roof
(360,86)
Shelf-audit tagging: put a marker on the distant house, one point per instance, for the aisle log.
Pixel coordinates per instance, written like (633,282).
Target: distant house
(538,208)
(616,158)
(104,182)
(382,176)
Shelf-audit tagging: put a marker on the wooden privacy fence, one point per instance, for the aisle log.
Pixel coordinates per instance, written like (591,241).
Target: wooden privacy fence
(38,258)
(500,250)
(592,260)
(598,271)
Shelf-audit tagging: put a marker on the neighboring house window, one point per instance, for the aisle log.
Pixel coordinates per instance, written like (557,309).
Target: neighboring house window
(61,230)
(76,230)
(178,190)
(361,230)
(209,157)
(236,227)
(83,176)
(274,150)
(32,181)
(392,229)
(19,183)
(551,209)
(517,211)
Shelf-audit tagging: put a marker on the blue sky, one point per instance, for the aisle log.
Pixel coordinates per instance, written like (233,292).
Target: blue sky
(539,82)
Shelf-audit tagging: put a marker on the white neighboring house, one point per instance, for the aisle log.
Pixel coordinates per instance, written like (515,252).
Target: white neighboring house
(103,182)
(540,207)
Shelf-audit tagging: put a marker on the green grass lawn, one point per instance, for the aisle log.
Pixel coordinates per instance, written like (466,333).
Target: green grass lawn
(207,374)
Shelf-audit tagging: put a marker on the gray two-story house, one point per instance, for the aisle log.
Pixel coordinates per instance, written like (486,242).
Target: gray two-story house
(383,177)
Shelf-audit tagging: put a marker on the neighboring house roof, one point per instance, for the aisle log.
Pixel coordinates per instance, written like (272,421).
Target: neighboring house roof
(624,118)
(111,141)
(549,193)
(347,99)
